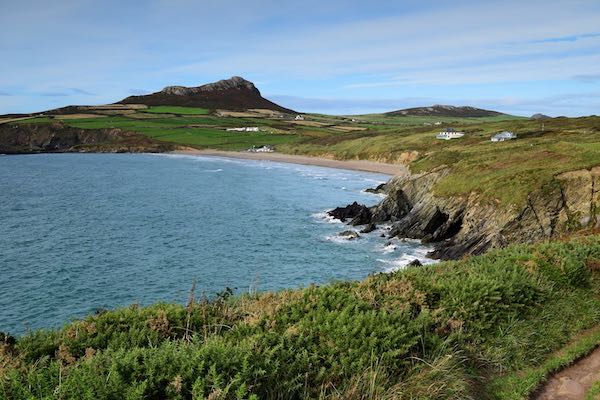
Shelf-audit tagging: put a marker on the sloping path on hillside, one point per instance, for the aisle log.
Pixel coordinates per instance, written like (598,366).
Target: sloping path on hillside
(572,383)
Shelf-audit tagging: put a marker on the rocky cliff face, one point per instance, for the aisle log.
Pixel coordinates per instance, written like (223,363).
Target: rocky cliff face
(236,83)
(466,225)
(56,137)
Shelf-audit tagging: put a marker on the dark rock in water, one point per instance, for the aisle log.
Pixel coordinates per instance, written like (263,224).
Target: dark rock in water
(382,235)
(378,190)
(350,235)
(358,213)
(369,228)
(415,263)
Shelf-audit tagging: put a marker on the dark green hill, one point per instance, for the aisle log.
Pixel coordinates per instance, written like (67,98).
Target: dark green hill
(235,93)
(446,111)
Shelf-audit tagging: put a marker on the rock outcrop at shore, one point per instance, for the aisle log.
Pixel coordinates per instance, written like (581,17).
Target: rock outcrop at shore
(56,137)
(460,226)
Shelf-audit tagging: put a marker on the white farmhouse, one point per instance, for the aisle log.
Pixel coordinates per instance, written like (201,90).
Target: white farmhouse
(449,133)
(244,129)
(299,117)
(267,148)
(502,136)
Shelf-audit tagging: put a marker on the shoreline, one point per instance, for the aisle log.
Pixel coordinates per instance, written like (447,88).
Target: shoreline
(353,165)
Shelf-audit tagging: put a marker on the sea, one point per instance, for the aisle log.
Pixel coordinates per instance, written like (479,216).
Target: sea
(86,232)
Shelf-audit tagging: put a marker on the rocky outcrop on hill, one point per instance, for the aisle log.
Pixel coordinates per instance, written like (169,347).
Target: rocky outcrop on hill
(466,225)
(446,111)
(56,137)
(235,93)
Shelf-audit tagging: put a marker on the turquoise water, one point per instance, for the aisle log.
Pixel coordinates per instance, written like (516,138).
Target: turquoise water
(80,232)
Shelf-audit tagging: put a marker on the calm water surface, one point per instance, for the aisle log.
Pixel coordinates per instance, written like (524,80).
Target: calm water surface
(79,232)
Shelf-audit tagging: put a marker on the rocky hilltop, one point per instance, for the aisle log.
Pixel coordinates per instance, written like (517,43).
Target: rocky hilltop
(445,111)
(539,116)
(56,137)
(465,225)
(235,93)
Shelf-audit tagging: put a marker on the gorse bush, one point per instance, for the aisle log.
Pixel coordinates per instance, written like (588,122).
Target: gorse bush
(432,332)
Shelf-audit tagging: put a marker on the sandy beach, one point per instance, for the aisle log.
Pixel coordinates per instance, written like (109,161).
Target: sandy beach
(356,165)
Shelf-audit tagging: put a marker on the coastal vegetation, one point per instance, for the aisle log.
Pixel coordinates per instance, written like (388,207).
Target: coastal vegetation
(485,327)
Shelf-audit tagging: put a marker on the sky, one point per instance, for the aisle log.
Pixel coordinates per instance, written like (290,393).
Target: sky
(336,57)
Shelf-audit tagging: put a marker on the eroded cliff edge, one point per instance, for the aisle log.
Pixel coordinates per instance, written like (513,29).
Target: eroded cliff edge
(56,137)
(465,225)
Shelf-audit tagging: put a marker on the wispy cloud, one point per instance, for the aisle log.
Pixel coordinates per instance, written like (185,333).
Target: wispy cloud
(139,92)
(54,94)
(81,91)
(592,78)
(570,38)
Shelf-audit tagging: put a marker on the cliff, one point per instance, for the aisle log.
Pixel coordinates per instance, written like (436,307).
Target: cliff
(466,225)
(56,137)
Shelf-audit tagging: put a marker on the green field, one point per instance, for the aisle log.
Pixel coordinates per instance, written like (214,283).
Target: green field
(483,328)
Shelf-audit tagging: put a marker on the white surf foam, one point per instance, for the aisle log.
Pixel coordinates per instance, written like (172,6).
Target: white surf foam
(323,217)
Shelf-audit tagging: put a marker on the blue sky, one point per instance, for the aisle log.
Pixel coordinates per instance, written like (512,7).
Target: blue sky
(336,57)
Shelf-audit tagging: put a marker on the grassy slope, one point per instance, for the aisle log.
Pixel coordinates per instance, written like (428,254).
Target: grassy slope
(447,331)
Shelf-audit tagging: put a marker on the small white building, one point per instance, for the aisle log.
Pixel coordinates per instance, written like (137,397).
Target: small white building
(243,129)
(267,148)
(299,117)
(504,135)
(449,133)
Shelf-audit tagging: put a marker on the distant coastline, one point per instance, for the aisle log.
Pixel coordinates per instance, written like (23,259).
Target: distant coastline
(355,165)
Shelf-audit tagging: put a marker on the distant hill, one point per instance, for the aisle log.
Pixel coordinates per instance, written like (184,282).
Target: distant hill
(539,116)
(445,111)
(235,93)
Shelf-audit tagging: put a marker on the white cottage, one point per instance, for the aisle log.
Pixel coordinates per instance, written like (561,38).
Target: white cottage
(449,133)
(502,136)
(299,117)
(244,129)
(267,148)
